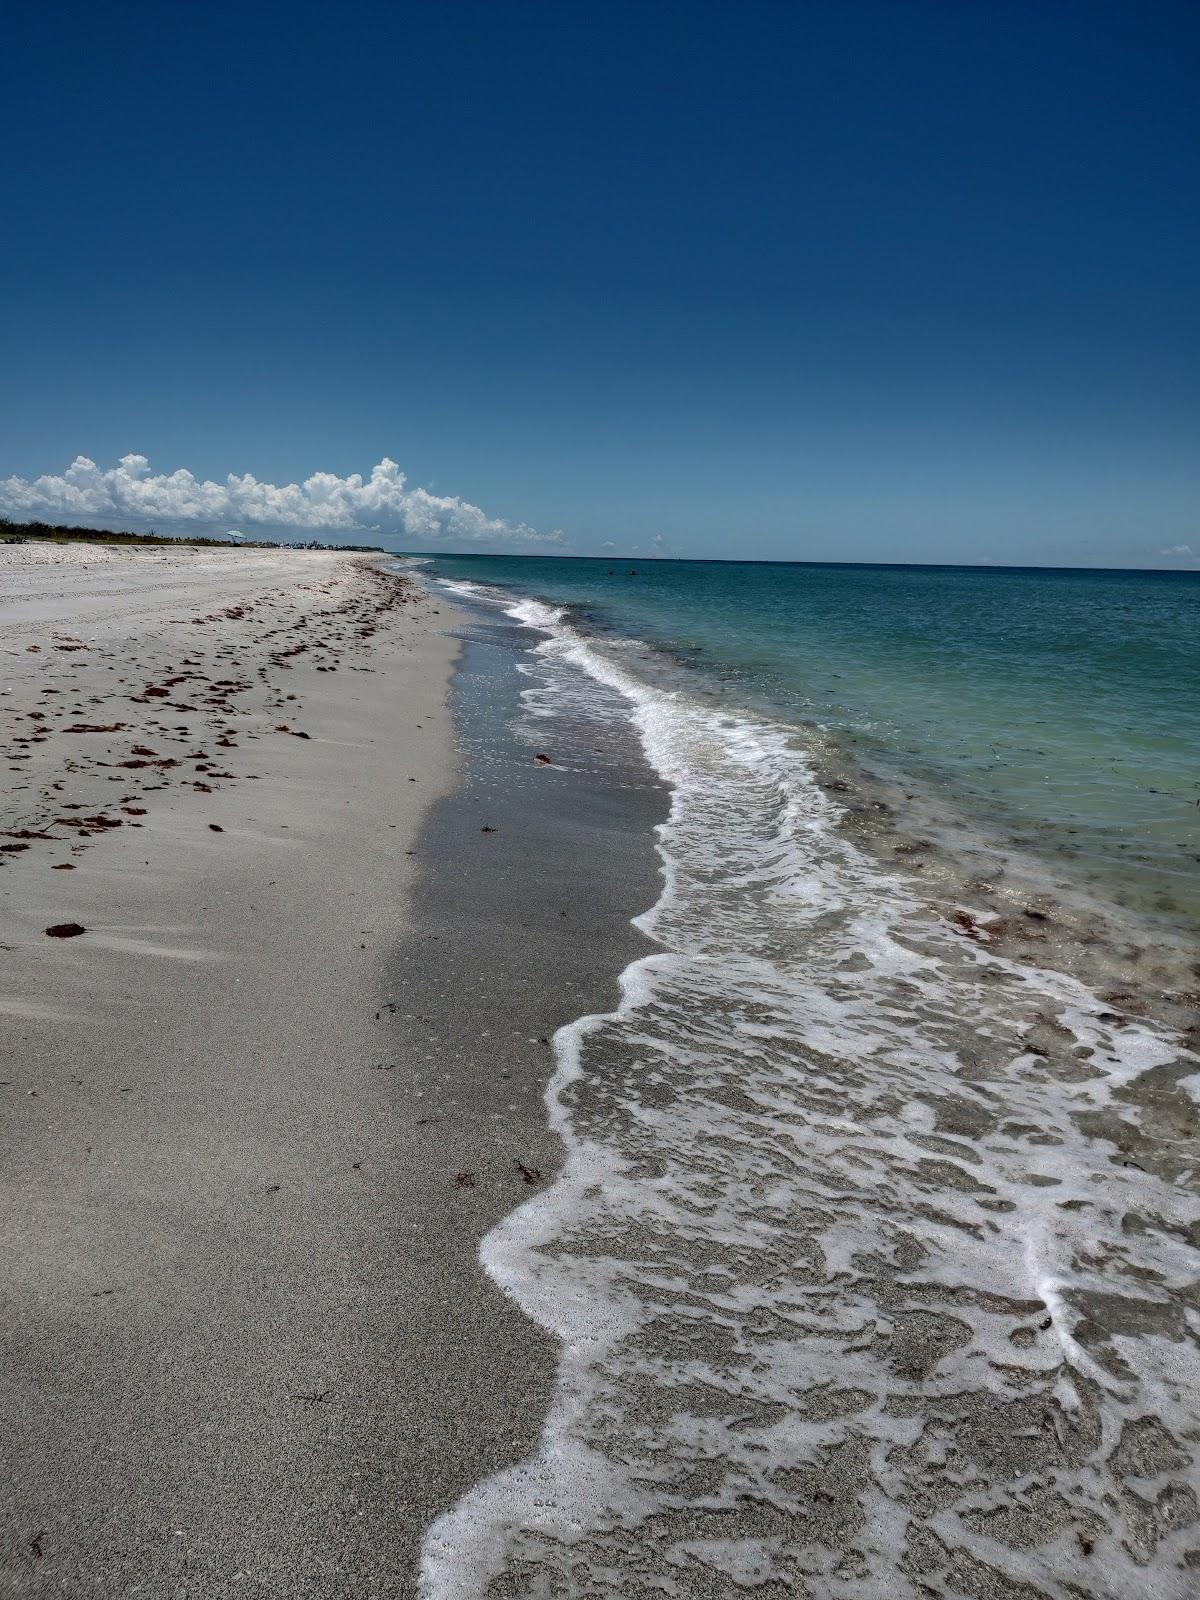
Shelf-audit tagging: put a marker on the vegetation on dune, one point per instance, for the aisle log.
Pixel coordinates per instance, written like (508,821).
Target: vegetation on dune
(65,533)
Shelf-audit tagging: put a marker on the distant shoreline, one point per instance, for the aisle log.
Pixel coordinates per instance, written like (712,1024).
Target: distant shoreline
(64,533)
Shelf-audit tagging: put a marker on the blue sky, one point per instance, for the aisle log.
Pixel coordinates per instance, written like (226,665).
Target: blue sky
(865,281)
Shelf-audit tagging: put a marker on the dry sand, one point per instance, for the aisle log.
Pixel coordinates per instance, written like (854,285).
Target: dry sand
(205,1264)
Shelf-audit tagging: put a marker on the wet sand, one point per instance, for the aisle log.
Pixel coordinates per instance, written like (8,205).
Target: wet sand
(259,1116)
(872,1261)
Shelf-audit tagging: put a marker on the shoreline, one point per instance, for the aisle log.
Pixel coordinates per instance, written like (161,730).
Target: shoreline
(298,1069)
(533,922)
(1039,908)
(1044,837)
(873,1247)
(290,1076)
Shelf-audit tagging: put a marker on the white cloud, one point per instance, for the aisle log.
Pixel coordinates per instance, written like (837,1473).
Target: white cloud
(383,503)
(1177,551)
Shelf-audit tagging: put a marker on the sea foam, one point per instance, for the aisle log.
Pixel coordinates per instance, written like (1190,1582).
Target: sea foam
(862,1289)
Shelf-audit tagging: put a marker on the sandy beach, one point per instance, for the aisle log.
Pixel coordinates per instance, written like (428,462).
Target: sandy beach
(600,816)
(242,1313)
(395,1204)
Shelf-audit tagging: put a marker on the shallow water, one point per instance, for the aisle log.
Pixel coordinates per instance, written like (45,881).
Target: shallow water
(873,1259)
(1060,710)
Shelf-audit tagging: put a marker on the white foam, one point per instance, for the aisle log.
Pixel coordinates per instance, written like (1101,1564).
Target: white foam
(829,1168)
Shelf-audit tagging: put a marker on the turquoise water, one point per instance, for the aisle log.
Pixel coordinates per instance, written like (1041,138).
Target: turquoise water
(871,1179)
(1060,710)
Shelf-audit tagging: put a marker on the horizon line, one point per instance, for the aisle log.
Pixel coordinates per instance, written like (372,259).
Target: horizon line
(775,561)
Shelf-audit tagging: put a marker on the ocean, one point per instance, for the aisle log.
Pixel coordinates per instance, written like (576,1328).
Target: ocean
(1058,711)
(873,1255)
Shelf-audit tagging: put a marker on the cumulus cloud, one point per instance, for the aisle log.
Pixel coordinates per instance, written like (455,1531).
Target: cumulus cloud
(382,503)
(1183,551)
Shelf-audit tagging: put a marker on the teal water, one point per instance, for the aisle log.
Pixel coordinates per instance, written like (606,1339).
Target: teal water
(871,1178)
(1060,710)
